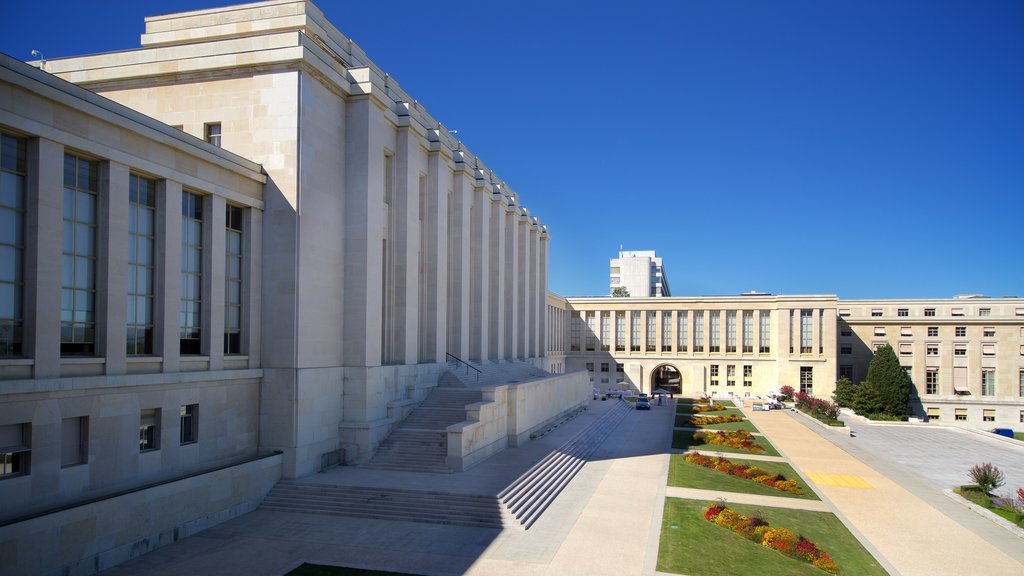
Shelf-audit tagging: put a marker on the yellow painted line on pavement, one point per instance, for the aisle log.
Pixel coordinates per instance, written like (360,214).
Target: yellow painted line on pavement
(842,480)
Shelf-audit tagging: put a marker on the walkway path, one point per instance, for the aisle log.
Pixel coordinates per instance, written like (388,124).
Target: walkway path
(909,533)
(741,498)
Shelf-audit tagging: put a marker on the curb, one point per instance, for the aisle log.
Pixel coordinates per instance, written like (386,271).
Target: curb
(988,514)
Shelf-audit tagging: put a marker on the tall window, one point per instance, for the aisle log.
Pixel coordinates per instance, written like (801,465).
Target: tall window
(716,332)
(791,331)
(730,331)
(1020,379)
(748,375)
(666,331)
(191,273)
(149,429)
(74,441)
(931,381)
(78,265)
(634,327)
(821,331)
(15,449)
(748,332)
(575,328)
(213,134)
(605,331)
(807,379)
(620,331)
(591,332)
(233,281)
(12,244)
(730,375)
(806,334)
(765,332)
(714,374)
(681,322)
(188,417)
(141,241)
(988,382)
(698,331)
(652,329)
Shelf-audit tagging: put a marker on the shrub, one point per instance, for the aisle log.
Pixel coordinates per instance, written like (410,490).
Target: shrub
(1020,499)
(986,476)
(733,439)
(787,392)
(845,392)
(889,382)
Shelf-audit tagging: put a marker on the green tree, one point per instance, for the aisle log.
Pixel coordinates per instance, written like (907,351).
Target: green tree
(620,292)
(845,391)
(889,380)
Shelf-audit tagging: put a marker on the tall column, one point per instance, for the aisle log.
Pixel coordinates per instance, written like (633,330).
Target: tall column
(112,268)
(44,198)
(540,290)
(480,284)
(511,220)
(434,297)
(252,270)
(405,233)
(168,274)
(522,286)
(498,272)
(214,247)
(460,242)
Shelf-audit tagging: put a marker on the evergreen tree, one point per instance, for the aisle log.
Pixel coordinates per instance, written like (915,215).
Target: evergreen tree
(889,380)
(845,391)
(620,292)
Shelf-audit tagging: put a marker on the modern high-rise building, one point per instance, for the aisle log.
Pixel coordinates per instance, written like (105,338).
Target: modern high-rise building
(640,272)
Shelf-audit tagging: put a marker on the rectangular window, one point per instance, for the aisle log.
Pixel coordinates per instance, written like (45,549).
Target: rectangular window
(960,385)
(844,312)
(212,133)
(988,415)
(933,331)
(933,412)
(666,331)
(932,349)
(989,332)
(141,262)
(78,264)
(652,330)
(902,312)
(845,332)
(730,331)
(74,441)
(715,339)
(606,330)
(960,350)
(590,366)
(682,320)
(634,325)
(730,375)
(698,331)
(604,366)
(807,379)
(714,374)
(189,420)
(149,429)
(748,332)
(619,367)
(748,375)
(988,382)
(960,414)
(591,331)
(879,330)
(984,311)
(956,312)
(960,332)
(233,280)
(15,449)
(988,349)
(12,244)
(846,371)
(190,322)
(620,331)
(929,311)
(846,350)
(931,381)
(906,349)
(876,312)
(765,332)
(575,329)
(906,331)
(1020,380)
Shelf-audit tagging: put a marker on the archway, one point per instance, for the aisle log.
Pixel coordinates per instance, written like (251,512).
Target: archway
(666,377)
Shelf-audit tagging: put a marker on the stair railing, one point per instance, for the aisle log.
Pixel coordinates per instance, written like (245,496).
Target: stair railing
(458,361)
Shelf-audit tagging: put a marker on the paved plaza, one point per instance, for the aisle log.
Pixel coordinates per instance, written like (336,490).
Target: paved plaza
(608,519)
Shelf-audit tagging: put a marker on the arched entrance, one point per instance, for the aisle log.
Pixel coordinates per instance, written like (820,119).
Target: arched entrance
(666,377)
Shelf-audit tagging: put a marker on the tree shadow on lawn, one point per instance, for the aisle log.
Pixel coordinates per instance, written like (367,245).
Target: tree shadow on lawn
(691,545)
(683,440)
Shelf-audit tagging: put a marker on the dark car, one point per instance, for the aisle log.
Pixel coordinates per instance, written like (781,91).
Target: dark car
(643,402)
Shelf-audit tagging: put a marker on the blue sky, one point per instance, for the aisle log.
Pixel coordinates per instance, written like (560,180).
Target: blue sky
(870,149)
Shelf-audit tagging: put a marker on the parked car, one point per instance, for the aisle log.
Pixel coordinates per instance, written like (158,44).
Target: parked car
(643,402)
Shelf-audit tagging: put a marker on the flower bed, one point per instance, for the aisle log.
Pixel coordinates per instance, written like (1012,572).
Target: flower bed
(731,438)
(752,473)
(705,420)
(780,539)
(705,408)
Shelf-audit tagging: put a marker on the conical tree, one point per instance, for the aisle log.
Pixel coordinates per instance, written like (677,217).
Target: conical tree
(887,376)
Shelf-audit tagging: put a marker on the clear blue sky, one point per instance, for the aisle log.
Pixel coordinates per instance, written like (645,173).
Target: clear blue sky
(871,149)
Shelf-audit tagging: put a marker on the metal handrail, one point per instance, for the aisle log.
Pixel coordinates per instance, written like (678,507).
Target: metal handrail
(463,362)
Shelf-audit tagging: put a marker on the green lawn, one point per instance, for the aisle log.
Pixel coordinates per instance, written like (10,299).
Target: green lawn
(1019,436)
(683,440)
(683,421)
(688,409)
(691,545)
(689,475)
(322,570)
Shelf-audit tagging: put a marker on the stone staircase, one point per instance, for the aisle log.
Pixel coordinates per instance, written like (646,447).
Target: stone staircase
(459,376)
(529,495)
(420,442)
(387,504)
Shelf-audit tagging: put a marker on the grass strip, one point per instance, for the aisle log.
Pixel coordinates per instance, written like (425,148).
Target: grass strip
(685,474)
(683,440)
